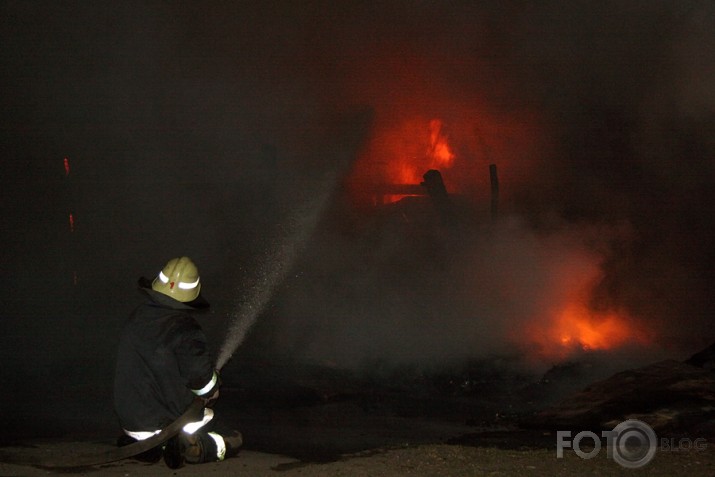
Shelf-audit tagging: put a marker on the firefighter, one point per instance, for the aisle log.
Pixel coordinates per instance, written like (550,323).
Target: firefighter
(163,364)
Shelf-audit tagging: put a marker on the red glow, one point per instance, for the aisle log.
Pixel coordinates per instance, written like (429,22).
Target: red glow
(570,325)
(440,153)
(409,167)
(427,118)
(67,166)
(578,326)
(415,148)
(400,153)
(71,222)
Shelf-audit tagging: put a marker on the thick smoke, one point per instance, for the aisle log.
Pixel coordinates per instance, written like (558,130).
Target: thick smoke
(604,119)
(404,297)
(633,105)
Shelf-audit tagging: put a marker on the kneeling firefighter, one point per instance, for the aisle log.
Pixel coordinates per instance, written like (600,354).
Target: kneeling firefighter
(163,364)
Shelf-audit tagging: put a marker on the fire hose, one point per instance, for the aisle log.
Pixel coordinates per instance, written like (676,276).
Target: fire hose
(119,453)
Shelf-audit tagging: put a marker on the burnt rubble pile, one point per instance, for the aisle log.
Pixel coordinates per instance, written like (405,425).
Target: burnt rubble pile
(673,397)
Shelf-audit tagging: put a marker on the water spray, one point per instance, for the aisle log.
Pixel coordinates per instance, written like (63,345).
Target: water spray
(279,256)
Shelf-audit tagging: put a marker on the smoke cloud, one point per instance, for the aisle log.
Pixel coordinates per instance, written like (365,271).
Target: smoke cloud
(599,117)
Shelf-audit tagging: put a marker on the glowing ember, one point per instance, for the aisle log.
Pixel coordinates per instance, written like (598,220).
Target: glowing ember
(67,166)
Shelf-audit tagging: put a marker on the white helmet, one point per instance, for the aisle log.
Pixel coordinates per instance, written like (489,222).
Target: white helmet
(179,279)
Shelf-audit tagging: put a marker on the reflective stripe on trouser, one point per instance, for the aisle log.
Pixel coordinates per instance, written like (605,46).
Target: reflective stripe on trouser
(189,428)
(211,445)
(220,445)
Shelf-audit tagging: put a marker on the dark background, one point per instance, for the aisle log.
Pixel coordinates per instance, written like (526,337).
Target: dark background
(226,130)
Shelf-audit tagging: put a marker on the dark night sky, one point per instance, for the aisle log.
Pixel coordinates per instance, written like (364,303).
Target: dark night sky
(195,128)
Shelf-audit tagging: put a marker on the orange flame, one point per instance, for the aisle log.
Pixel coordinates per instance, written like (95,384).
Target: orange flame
(440,153)
(575,327)
(405,146)
(437,155)
(578,326)
(415,152)
(568,319)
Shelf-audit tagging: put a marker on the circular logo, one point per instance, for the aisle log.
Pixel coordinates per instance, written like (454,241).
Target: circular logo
(634,444)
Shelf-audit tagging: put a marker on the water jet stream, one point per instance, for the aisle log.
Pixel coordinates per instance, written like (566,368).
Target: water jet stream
(280,254)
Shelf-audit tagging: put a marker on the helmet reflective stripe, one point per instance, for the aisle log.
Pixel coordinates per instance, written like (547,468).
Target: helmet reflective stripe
(183,273)
(141,435)
(192,427)
(209,386)
(188,286)
(220,445)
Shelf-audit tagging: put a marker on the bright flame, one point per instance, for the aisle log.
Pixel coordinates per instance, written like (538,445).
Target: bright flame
(566,315)
(404,146)
(414,152)
(422,111)
(440,153)
(437,155)
(577,328)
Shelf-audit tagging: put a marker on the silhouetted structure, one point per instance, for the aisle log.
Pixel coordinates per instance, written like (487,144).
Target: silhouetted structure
(494,180)
(438,193)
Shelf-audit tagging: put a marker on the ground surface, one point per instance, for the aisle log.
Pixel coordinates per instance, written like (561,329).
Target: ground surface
(320,423)
(426,460)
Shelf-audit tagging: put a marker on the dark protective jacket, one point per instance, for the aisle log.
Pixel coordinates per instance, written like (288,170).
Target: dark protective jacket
(163,363)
